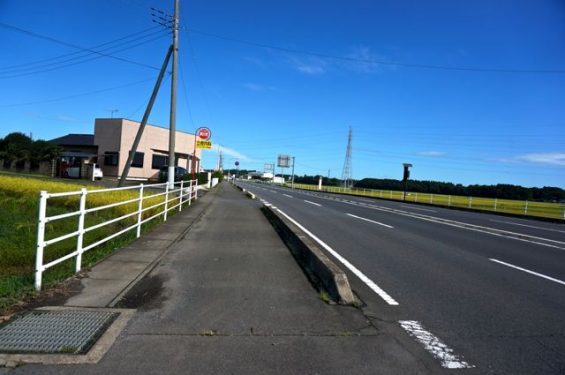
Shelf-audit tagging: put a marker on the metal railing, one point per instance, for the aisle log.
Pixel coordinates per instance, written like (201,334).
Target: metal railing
(516,207)
(183,192)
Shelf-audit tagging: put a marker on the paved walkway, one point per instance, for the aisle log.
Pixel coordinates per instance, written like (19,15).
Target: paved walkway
(228,298)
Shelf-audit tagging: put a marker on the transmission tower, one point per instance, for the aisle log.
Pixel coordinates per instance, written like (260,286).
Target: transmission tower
(346,174)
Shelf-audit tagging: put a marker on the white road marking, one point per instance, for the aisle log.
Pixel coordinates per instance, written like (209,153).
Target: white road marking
(434,345)
(286,195)
(384,295)
(528,271)
(418,208)
(272,191)
(314,203)
(477,228)
(529,226)
(371,221)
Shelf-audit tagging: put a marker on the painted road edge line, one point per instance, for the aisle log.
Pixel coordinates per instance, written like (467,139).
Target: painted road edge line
(434,345)
(528,271)
(314,203)
(374,287)
(371,221)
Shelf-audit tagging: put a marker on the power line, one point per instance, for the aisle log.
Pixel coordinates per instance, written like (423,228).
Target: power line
(77,95)
(381,62)
(57,41)
(39,62)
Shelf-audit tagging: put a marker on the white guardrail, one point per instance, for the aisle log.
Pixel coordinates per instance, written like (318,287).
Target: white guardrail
(183,192)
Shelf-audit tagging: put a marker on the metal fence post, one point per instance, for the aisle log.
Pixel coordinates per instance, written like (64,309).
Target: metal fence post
(139,210)
(195,189)
(495,202)
(40,239)
(431,199)
(449,201)
(166,202)
(526,208)
(415,197)
(80,238)
(470,202)
(180,195)
(391,194)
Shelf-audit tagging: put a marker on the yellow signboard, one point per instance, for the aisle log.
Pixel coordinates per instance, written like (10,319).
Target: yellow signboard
(204,144)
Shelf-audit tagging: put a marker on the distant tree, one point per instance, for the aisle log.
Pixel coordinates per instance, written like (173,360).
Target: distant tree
(16,147)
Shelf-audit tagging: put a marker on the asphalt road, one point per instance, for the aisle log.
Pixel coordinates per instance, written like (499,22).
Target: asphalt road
(491,288)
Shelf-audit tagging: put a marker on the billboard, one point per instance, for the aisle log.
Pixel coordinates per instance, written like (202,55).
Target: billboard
(283,161)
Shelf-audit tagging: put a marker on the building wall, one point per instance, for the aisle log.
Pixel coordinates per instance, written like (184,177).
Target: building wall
(117,135)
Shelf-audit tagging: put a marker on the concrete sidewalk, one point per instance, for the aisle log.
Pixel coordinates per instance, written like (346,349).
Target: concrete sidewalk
(228,297)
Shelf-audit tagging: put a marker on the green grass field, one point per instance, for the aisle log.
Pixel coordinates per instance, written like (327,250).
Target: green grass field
(19,198)
(536,209)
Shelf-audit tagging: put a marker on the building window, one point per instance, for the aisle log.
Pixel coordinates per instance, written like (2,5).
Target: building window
(111,158)
(159,161)
(137,161)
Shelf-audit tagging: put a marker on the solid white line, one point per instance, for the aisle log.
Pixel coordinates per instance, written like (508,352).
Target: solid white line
(370,221)
(286,195)
(315,204)
(384,295)
(529,226)
(434,345)
(528,271)
(417,208)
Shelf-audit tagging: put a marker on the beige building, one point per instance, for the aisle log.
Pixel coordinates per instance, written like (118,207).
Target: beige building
(114,138)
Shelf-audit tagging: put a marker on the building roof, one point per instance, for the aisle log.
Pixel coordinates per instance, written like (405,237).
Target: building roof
(74,140)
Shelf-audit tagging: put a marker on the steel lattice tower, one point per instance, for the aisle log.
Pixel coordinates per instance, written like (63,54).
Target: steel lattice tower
(346,174)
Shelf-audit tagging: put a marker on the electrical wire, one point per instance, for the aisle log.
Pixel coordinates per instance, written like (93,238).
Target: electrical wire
(42,61)
(77,95)
(375,61)
(57,41)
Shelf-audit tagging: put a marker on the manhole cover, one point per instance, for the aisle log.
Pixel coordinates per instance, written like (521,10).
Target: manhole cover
(43,331)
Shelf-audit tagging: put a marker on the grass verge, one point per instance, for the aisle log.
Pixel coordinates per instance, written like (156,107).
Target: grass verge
(19,198)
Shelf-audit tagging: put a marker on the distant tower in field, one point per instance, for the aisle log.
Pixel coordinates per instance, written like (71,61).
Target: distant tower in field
(346,174)
(220,161)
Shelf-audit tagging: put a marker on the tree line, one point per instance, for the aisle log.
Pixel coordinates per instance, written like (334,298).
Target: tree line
(500,191)
(19,148)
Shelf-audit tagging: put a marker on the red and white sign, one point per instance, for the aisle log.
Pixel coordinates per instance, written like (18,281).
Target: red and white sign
(203,133)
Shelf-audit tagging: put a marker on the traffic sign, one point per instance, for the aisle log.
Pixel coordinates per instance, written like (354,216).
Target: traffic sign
(204,144)
(204,133)
(237,163)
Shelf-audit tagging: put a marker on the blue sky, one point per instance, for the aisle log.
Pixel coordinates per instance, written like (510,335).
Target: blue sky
(291,77)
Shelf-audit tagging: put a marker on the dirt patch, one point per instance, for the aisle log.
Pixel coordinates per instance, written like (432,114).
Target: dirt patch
(145,295)
(55,295)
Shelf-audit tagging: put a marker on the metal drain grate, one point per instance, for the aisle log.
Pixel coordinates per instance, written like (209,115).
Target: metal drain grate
(43,331)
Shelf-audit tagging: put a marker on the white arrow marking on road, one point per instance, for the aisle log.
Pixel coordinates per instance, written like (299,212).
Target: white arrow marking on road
(315,204)
(371,221)
(528,271)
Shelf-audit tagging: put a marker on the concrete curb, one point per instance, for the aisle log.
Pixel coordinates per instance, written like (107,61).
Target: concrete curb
(323,273)
(250,195)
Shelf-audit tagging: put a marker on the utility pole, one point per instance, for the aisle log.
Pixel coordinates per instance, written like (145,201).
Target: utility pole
(292,182)
(173,117)
(405,177)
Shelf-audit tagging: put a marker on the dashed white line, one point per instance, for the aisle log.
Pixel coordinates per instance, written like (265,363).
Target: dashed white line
(529,226)
(528,271)
(286,195)
(434,345)
(417,208)
(314,203)
(374,287)
(371,221)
